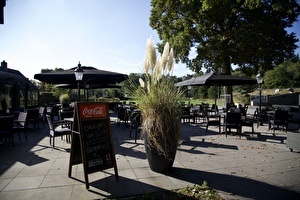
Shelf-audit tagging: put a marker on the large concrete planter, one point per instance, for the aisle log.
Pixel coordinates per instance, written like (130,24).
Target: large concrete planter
(158,163)
(293,140)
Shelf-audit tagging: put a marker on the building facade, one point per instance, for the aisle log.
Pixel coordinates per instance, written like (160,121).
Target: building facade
(16,91)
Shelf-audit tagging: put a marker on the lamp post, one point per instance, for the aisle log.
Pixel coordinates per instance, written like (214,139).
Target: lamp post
(259,79)
(79,75)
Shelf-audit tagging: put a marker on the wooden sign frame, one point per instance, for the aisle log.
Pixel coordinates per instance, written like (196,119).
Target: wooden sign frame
(92,142)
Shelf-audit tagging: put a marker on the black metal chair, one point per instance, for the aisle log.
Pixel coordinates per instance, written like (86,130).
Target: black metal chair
(20,125)
(233,121)
(135,123)
(249,118)
(42,114)
(213,120)
(200,115)
(186,114)
(123,114)
(6,128)
(279,118)
(33,116)
(54,113)
(59,128)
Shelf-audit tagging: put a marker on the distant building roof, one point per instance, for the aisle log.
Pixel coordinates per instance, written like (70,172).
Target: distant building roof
(11,76)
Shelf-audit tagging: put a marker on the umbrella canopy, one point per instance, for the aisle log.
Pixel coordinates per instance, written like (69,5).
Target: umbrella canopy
(217,79)
(89,86)
(91,75)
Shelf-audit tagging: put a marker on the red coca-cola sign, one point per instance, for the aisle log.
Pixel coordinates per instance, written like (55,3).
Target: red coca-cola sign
(92,111)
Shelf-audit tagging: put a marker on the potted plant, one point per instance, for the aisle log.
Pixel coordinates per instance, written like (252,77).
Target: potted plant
(158,100)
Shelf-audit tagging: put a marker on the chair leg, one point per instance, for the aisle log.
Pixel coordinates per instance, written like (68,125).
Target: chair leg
(19,135)
(136,133)
(25,133)
(130,132)
(12,140)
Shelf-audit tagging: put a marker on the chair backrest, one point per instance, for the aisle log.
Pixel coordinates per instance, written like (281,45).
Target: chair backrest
(42,111)
(6,123)
(32,113)
(185,111)
(66,114)
(22,118)
(281,115)
(136,119)
(251,111)
(233,117)
(214,107)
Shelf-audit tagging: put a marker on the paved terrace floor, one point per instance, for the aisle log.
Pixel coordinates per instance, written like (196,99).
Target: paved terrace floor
(249,167)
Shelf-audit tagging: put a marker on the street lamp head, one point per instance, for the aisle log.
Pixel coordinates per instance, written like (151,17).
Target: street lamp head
(79,73)
(259,78)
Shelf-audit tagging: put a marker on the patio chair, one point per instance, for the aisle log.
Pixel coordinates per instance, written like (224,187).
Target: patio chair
(135,123)
(186,115)
(213,120)
(279,119)
(20,125)
(249,118)
(42,114)
(33,116)
(200,114)
(59,128)
(123,114)
(233,121)
(6,128)
(54,113)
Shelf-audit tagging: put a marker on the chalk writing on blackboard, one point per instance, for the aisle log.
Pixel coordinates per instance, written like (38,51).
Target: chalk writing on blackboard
(95,139)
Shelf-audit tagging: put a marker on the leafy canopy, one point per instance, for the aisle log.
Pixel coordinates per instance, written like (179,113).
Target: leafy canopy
(218,33)
(285,75)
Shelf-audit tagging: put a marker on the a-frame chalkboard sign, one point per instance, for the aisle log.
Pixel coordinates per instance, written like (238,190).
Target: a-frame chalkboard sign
(92,142)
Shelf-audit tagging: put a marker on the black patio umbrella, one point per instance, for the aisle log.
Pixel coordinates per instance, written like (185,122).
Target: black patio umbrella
(91,75)
(211,79)
(88,86)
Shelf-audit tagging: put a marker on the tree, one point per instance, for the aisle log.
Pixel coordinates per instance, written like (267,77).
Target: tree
(248,33)
(285,75)
(46,87)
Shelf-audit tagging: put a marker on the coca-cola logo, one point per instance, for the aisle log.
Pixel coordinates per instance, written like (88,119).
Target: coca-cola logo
(97,111)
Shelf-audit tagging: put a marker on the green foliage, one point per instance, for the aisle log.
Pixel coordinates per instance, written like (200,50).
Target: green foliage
(213,92)
(64,98)
(284,75)
(189,193)
(202,92)
(250,34)
(133,79)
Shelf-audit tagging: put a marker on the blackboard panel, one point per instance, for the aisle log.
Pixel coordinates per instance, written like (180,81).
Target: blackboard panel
(97,144)
(92,142)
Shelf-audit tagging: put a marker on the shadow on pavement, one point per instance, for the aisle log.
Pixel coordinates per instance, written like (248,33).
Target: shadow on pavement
(234,185)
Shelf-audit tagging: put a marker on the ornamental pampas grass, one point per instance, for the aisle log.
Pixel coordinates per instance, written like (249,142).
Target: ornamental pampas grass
(159,101)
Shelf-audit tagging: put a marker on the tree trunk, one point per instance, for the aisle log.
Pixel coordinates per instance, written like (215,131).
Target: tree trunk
(226,68)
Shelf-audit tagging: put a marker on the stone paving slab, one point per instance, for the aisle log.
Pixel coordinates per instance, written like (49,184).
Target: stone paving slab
(251,167)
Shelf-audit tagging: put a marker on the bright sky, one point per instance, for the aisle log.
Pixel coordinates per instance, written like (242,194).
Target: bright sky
(106,34)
